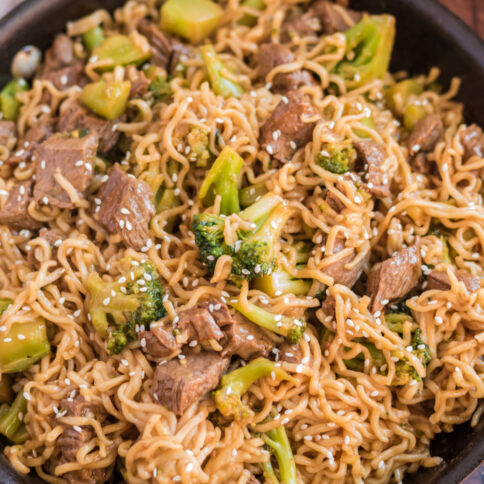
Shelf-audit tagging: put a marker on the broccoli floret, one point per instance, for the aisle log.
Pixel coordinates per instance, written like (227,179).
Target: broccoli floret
(253,254)
(337,157)
(135,300)
(404,370)
(222,179)
(199,146)
(291,328)
(234,384)
(279,445)
(399,308)
(161,89)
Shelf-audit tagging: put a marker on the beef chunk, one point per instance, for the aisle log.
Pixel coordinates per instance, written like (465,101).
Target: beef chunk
(7,131)
(322,17)
(245,339)
(421,164)
(273,55)
(53,237)
(126,207)
(426,133)
(74,116)
(339,271)
(61,67)
(287,129)
(180,382)
(15,211)
(202,323)
(166,52)
(161,48)
(139,82)
(73,158)
(159,342)
(291,353)
(334,19)
(328,306)
(440,280)
(395,277)
(472,139)
(370,159)
(71,440)
(43,128)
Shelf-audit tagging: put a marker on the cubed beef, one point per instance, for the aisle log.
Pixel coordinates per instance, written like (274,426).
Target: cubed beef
(289,127)
(71,439)
(273,55)
(160,43)
(139,82)
(42,129)
(159,342)
(61,67)
(180,382)
(291,353)
(245,339)
(370,165)
(395,277)
(202,323)
(73,159)
(421,164)
(74,116)
(343,271)
(126,207)
(53,237)
(333,18)
(15,211)
(472,139)
(328,306)
(426,134)
(166,52)
(322,17)
(440,280)
(7,131)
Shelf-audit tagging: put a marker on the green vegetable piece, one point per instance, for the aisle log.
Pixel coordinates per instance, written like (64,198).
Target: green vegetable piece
(366,122)
(291,328)
(337,157)
(93,38)
(221,85)
(222,179)
(280,446)
(234,384)
(358,363)
(167,198)
(161,89)
(412,115)
(191,19)
(18,354)
(395,321)
(6,393)
(281,282)
(254,252)
(125,304)
(199,146)
(369,47)
(108,99)
(250,194)
(398,94)
(122,50)
(9,104)
(12,417)
(250,20)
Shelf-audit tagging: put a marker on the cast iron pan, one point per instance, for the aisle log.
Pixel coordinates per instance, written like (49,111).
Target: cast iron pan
(427,35)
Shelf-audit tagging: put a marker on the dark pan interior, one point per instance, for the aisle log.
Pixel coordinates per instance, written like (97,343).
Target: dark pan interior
(427,35)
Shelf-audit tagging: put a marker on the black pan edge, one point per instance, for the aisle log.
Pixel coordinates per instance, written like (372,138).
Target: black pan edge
(427,35)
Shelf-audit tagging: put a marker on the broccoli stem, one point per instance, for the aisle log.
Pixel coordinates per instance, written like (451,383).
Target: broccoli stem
(221,85)
(280,446)
(251,194)
(234,384)
(222,179)
(291,328)
(268,473)
(259,211)
(281,282)
(12,417)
